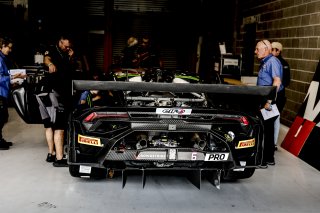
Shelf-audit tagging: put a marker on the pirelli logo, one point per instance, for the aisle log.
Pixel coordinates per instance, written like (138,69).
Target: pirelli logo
(89,140)
(246,143)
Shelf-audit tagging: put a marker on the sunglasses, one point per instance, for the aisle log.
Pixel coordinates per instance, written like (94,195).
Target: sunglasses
(264,43)
(266,46)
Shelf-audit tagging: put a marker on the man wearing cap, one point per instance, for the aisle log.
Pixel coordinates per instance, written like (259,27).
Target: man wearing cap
(276,51)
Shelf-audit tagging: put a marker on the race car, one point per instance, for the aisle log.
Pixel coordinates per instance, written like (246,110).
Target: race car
(168,126)
(160,121)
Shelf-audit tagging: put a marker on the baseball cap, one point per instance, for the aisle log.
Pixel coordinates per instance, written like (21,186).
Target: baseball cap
(277,45)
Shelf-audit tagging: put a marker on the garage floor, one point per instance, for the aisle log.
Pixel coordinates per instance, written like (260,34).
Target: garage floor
(29,184)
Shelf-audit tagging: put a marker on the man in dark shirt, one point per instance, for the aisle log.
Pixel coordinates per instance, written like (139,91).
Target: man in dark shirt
(276,51)
(59,59)
(148,56)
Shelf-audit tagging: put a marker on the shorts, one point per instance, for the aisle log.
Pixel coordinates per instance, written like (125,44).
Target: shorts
(60,123)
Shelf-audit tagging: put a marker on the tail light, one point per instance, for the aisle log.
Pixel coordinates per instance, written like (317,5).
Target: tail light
(242,119)
(97,115)
(89,120)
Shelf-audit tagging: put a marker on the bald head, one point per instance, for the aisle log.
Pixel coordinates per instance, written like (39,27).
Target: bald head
(263,49)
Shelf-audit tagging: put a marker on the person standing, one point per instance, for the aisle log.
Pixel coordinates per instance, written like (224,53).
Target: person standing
(129,57)
(276,51)
(270,74)
(5,49)
(59,59)
(148,55)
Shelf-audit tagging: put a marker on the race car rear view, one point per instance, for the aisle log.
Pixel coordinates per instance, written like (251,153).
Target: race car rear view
(167,126)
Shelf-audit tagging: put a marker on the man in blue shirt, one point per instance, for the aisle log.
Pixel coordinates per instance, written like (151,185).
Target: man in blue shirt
(270,74)
(5,49)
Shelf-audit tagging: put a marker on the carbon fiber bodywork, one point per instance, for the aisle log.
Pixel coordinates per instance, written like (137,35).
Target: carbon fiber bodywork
(151,130)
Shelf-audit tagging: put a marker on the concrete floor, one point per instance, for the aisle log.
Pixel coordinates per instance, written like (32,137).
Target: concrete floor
(30,184)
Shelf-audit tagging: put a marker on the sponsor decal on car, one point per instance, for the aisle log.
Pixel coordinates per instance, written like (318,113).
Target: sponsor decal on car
(242,163)
(152,155)
(85,169)
(221,156)
(172,154)
(187,156)
(246,143)
(89,140)
(173,111)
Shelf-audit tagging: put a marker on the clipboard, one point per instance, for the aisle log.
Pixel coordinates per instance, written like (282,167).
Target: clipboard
(266,114)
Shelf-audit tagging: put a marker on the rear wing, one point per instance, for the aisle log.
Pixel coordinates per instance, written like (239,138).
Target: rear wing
(268,92)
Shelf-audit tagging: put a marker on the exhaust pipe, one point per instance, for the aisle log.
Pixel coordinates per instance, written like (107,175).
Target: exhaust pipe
(142,141)
(198,142)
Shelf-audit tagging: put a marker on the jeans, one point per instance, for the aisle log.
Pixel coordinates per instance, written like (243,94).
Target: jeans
(276,129)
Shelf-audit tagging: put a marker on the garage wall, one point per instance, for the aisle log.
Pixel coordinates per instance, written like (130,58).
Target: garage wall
(294,23)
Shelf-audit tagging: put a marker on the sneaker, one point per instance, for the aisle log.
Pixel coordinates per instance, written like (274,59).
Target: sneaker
(60,163)
(271,163)
(50,158)
(263,165)
(6,142)
(4,146)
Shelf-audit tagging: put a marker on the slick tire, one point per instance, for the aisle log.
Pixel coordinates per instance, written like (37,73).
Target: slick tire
(231,175)
(96,173)
(74,171)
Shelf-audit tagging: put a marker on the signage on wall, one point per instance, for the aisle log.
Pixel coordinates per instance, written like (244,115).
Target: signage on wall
(303,137)
(251,19)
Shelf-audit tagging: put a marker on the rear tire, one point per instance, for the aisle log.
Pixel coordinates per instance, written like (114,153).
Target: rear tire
(96,173)
(231,175)
(74,170)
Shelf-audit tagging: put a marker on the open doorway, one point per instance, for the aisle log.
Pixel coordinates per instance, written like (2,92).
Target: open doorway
(249,43)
